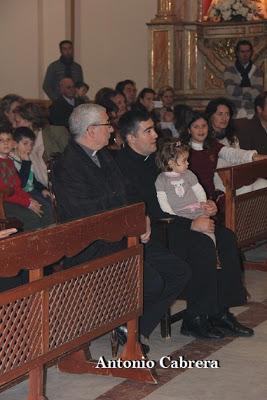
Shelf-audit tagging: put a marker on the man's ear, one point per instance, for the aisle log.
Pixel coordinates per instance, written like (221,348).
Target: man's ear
(90,131)
(130,138)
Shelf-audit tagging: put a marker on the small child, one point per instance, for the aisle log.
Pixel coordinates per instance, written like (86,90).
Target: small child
(178,190)
(17,202)
(24,139)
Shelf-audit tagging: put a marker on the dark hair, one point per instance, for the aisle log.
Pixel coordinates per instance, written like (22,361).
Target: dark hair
(103,94)
(121,85)
(110,107)
(64,42)
(186,137)
(5,128)
(143,92)
(243,42)
(81,84)
(169,149)
(182,115)
(260,101)
(212,108)
(8,100)
(138,105)
(23,132)
(34,113)
(129,122)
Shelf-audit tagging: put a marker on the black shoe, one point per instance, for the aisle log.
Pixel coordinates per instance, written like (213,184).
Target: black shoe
(121,332)
(230,326)
(200,327)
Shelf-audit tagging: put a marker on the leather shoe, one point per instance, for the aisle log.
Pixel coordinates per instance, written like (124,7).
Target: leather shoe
(121,332)
(200,328)
(230,326)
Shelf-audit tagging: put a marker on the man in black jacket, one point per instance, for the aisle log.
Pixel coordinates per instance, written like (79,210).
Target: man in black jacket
(210,292)
(87,181)
(61,109)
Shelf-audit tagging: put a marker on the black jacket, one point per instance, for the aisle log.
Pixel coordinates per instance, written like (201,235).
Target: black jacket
(82,188)
(251,134)
(140,173)
(60,110)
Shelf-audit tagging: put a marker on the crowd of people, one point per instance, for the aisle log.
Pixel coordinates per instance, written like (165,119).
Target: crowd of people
(126,147)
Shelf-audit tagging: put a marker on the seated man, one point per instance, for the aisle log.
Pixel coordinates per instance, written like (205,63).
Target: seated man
(62,107)
(210,292)
(252,134)
(87,181)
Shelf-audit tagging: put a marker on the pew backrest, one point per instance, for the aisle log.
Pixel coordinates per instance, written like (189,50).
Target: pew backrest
(245,214)
(54,315)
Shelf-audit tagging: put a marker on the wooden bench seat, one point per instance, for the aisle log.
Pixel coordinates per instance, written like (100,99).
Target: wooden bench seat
(54,317)
(246,214)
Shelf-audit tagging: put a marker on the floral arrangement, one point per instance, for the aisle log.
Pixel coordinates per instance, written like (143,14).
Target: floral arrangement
(235,10)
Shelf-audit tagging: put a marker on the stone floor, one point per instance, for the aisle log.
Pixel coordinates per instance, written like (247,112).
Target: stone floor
(242,373)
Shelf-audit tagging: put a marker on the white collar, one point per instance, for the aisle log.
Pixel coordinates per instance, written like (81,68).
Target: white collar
(172,174)
(196,146)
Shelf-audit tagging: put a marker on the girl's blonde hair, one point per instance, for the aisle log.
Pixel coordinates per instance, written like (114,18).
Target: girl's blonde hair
(169,149)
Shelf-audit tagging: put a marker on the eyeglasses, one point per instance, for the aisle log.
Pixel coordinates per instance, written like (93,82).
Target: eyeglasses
(108,123)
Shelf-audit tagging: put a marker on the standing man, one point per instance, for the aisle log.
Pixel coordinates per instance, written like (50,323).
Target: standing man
(243,81)
(210,291)
(88,181)
(64,67)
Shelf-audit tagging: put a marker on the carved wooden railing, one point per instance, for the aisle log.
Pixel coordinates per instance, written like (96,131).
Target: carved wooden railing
(246,214)
(54,317)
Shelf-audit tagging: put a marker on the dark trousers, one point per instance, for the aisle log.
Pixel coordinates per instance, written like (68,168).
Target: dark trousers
(165,276)
(210,290)
(29,219)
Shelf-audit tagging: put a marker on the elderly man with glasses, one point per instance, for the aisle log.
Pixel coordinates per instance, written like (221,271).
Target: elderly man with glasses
(87,181)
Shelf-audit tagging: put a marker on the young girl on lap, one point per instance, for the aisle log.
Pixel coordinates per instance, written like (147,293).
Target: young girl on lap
(178,189)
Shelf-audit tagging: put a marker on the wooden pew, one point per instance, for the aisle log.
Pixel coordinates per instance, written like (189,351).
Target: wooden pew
(55,317)
(246,214)
(46,103)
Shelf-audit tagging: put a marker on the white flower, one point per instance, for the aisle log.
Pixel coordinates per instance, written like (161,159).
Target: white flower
(243,11)
(226,15)
(236,6)
(226,9)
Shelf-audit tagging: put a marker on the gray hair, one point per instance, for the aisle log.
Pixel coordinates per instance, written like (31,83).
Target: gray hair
(84,116)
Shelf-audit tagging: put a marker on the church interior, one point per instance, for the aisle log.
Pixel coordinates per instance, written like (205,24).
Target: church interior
(190,48)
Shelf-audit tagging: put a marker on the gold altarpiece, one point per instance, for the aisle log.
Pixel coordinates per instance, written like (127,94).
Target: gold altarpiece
(190,54)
